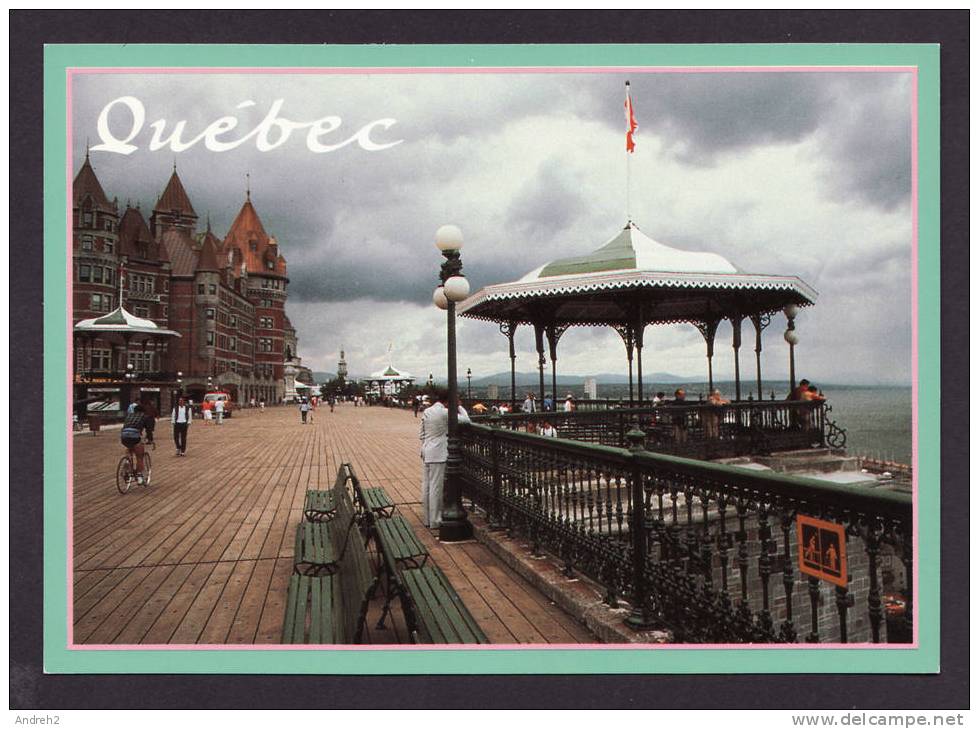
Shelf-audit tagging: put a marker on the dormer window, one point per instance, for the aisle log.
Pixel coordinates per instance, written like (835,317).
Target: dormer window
(271,265)
(253,244)
(86,242)
(87,218)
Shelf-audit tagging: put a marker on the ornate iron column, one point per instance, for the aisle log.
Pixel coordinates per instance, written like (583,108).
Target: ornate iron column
(625,331)
(638,330)
(541,359)
(509,329)
(708,329)
(554,333)
(736,343)
(760,321)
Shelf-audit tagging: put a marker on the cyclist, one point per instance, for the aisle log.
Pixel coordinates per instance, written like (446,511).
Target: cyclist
(132,433)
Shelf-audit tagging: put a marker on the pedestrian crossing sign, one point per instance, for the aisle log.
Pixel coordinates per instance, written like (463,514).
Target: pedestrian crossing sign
(822,549)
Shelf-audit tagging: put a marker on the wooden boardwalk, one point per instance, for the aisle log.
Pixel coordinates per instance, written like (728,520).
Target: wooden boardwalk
(203,556)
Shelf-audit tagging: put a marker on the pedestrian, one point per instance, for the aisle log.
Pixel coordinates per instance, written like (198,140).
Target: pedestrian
(548,402)
(529,404)
(150,415)
(569,403)
(415,404)
(251,403)
(434,436)
(712,415)
(333,402)
(304,409)
(219,411)
(207,412)
(680,417)
(659,399)
(548,430)
(261,405)
(181,417)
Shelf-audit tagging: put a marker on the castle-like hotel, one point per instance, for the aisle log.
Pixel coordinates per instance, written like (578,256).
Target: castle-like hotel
(224,298)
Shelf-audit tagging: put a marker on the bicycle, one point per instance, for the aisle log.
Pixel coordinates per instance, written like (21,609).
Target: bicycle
(126,471)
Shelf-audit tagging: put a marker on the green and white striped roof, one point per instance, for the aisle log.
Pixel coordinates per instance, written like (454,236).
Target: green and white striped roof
(600,287)
(120,321)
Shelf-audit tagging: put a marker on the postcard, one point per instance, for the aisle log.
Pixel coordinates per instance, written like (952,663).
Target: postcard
(491,359)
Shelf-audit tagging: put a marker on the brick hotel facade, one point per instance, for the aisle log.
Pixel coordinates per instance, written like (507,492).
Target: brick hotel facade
(226,298)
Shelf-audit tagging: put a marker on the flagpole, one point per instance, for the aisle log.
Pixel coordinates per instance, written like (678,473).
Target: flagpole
(630,145)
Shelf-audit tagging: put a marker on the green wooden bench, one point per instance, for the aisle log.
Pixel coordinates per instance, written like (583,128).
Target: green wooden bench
(434,611)
(332,608)
(321,505)
(373,501)
(319,544)
(397,541)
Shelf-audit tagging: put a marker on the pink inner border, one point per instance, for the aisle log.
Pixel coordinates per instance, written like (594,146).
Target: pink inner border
(913,70)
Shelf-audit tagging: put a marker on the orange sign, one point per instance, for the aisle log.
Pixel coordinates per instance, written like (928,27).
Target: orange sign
(822,549)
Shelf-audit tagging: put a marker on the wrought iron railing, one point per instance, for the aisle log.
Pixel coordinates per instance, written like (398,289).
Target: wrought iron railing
(697,430)
(707,550)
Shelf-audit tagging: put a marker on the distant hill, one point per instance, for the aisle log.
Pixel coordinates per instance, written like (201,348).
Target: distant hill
(322,377)
(525,379)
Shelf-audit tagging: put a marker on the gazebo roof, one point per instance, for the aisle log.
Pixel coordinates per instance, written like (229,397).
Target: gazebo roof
(119,321)
(634,272)
(390,373)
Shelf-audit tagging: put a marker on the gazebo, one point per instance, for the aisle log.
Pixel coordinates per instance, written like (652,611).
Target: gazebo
(389,381)
(127,333)
(629,283)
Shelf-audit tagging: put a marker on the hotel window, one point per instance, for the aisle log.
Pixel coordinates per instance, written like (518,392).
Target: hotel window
(141,361)
(166,284)
(96,302)
(232,344)
(86,242)
(166,311)
(200,289)
(107,245)
(109,275)
(87,217)
(265,345)
(233,366)
(97,274)
(101,359)
(108,225)
(143,311)
(212,289)
(210,339)
(234,320)
(209,313)
(84,273)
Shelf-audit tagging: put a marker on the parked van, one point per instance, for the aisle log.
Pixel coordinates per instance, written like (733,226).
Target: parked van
(213,397)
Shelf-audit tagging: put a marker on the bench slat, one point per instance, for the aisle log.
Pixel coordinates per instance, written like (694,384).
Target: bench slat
(443,615)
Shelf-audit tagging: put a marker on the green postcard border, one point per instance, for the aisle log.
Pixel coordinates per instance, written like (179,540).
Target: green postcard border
(59,659)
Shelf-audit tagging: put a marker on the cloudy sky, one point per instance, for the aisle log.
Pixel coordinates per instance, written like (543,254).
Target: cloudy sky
(787,173)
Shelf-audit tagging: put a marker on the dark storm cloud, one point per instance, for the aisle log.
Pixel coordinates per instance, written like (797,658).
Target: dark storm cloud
(531,167)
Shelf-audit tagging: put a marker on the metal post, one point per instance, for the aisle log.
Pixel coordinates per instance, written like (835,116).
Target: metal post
(641,617)
(736,343)
(509,329)
(760,321)
(455,521)
(639,337)
(541,359)
(553,335)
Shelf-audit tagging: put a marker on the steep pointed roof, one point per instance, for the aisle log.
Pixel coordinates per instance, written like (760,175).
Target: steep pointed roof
(134,231)
(86,184)
(175,197)
(181,250)
(248,234)
(208,260)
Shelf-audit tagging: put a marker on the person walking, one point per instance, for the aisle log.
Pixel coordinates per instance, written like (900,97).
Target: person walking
(529,405)
(181,417)
(219,411)
(207,412)
(569,403)
(434,435)
(150,415)
(304,409)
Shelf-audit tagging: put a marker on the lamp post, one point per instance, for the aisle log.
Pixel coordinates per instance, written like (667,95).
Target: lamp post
(130,377)
(454,287)
(469,386)
(792,337)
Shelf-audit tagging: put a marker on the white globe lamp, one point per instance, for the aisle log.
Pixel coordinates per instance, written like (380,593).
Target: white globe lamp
(448,238)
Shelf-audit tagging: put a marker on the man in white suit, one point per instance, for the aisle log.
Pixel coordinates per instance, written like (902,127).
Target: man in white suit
(435,451)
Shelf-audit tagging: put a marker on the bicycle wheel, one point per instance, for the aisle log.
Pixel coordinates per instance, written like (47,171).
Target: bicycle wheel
(124,475)
(147,469)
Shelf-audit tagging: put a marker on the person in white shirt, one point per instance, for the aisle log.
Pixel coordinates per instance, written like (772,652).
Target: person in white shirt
(181,416)
(434,436)
(529,405)
(569,404)
(548,430)
(219,411)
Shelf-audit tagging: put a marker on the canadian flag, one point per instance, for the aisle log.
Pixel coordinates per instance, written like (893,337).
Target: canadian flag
(630,122)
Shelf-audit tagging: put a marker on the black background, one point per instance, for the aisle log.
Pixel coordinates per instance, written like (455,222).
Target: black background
(31,689)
